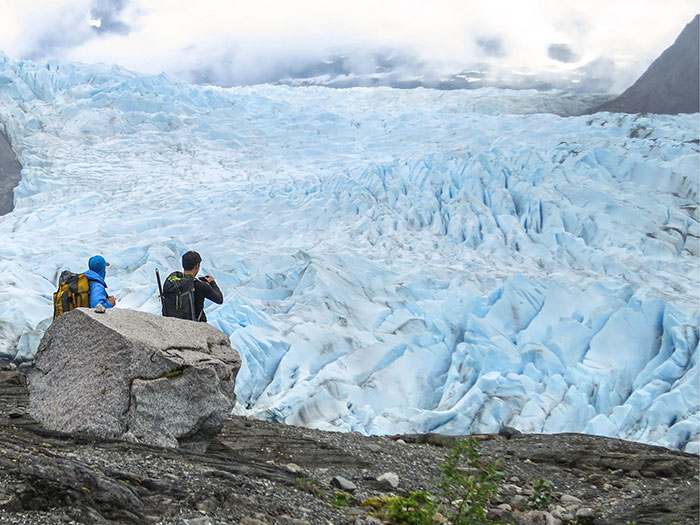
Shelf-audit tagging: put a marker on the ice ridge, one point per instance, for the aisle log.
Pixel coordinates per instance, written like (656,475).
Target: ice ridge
(392,260)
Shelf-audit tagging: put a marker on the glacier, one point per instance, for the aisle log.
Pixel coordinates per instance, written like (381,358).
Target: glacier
(392,261)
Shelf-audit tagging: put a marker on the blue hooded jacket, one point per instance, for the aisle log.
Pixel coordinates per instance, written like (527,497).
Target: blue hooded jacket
(98,287)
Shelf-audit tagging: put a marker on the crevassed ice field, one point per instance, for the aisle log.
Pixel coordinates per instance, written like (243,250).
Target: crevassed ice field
(392,261)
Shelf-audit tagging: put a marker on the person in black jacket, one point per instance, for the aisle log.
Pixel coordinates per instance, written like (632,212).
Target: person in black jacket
(204,287)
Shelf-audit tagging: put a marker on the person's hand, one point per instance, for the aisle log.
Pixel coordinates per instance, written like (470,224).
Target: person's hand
(112,300)
(208,278)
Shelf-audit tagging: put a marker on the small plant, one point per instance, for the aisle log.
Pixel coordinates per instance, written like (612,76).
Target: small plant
(467,482)
(543,494)
(467,485)
(376,503)
(416,509)
(311,486)
(341,499)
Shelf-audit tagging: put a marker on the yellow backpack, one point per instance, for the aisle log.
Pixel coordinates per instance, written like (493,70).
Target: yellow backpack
(73,292)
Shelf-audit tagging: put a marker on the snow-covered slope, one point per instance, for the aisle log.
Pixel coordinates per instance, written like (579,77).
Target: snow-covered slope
(392,261)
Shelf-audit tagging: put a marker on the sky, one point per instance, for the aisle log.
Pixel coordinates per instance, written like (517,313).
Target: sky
(588,45)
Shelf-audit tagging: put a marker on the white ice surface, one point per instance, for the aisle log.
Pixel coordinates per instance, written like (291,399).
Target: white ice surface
(391,261)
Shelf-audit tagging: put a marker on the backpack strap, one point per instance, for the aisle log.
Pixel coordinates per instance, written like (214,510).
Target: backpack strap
(191,294)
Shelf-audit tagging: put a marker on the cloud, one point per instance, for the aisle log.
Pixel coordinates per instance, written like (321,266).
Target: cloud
(53,34)
(48,29)
(251,61)
(395,42)
(562,53)
(492,47)
(107,12)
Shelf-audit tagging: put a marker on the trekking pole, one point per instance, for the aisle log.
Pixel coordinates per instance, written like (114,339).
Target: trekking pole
(160,290)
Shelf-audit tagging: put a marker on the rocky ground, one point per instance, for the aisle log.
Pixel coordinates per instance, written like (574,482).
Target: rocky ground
(259,472)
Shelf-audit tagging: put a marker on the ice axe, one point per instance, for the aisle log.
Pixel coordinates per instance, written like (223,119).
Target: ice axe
(160,290)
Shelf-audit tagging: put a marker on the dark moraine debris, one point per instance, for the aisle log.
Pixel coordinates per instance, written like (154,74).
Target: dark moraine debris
(259,472)
(10,169)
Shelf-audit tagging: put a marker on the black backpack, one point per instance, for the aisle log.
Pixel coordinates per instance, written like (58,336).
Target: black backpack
(178,296)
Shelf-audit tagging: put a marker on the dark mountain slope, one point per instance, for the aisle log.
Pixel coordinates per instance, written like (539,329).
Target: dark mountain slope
(9,174)
(670,85)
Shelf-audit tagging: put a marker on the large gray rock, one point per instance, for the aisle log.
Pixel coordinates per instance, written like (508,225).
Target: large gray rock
(135,376)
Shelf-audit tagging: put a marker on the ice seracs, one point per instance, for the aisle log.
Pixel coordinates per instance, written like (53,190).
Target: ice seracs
(392,261)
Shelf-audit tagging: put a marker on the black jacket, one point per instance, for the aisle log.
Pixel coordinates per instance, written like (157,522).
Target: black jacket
(204,290)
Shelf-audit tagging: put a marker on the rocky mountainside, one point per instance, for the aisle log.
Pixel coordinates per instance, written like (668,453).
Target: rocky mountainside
(671,84)
(10,169)
(258,472)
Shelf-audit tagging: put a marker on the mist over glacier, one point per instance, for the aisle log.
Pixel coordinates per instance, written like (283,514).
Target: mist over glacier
(391,260)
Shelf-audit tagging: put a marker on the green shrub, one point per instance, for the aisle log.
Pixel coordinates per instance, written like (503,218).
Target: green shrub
(341,499)
(468,484)
(311,486)
(416,509)
(543,494)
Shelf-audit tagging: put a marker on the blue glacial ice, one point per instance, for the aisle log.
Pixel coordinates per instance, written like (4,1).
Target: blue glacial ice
(392,260)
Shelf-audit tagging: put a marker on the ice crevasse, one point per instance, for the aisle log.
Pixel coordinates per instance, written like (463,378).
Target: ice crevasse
(392,260)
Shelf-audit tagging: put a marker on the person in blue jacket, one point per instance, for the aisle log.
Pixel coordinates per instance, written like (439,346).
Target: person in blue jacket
(98,287)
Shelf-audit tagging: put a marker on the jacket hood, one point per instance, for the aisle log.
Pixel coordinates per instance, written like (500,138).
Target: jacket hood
(94,276)
(97,264)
